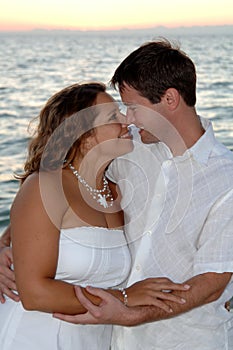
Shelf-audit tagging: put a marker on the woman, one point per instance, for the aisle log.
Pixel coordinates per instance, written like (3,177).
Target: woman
(66,225)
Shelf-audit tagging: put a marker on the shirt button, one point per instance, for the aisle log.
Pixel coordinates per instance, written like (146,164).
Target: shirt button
(149,233)
(138,267)
(167,163)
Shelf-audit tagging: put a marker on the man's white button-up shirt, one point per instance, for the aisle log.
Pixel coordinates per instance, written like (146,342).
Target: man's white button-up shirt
(179,223)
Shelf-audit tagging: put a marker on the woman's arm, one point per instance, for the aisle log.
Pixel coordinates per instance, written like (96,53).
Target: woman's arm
(35,242)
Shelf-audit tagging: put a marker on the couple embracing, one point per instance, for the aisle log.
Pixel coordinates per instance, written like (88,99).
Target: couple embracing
(142,229)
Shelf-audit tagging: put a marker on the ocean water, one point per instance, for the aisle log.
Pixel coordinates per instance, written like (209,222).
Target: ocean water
(35,65)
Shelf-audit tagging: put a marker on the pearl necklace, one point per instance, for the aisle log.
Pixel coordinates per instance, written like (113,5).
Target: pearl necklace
(99,195)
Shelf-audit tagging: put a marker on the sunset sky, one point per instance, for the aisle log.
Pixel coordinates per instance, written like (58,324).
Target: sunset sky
(107,14)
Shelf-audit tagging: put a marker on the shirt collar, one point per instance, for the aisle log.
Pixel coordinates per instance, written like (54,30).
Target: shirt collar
(202,149)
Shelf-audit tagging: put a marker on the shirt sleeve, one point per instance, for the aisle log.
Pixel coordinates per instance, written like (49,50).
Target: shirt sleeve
(215,245)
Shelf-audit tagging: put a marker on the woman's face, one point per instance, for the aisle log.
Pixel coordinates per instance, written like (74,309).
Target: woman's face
(111,134)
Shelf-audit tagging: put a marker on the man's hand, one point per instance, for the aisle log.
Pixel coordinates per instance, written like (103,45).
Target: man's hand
(7,276)
(110,311)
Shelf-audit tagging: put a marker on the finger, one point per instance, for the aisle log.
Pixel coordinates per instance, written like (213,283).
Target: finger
(170,297)
(11,294)
(67,318)
(177,286)
(158,280)
(77,319)
(7,272)
(171,286)
(167,281)
(7,287)
(162,305)
(7,283)
(93,309)
(86,318)
(2,299)
(102,294)
(9,254)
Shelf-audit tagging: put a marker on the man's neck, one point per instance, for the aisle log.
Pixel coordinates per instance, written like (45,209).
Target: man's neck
(184,135)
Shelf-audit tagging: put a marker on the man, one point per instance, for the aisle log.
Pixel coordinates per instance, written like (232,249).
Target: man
(189,238)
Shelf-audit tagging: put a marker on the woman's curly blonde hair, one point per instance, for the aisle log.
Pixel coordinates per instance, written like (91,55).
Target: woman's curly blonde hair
(58,136)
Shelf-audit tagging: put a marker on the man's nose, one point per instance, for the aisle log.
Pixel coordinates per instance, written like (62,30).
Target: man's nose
(130,118)
(122,119)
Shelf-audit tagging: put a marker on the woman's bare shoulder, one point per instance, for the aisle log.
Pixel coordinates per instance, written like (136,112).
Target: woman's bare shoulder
(42,191)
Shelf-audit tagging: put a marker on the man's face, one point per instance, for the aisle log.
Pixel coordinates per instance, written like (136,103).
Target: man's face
(142,113)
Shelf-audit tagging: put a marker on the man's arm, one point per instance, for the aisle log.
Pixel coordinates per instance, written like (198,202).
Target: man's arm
(7,276)
(5,238)
(205,288)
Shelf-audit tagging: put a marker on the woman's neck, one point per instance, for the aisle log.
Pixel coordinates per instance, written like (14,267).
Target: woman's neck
(92,170)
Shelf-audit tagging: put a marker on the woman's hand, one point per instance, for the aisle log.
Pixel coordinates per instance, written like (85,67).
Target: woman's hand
(155,291)
(7,276)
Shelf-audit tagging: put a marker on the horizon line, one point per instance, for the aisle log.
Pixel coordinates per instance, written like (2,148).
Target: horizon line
(132,28)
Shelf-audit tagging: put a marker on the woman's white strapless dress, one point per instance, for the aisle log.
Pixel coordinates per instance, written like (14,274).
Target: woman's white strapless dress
(87,256)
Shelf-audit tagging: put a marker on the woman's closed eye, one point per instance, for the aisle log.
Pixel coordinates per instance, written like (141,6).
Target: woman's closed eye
(113,117)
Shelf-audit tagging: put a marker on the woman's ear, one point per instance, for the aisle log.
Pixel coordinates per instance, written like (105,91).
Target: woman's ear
(171,98)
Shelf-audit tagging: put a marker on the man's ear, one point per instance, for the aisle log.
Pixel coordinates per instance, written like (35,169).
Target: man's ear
(171,98)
